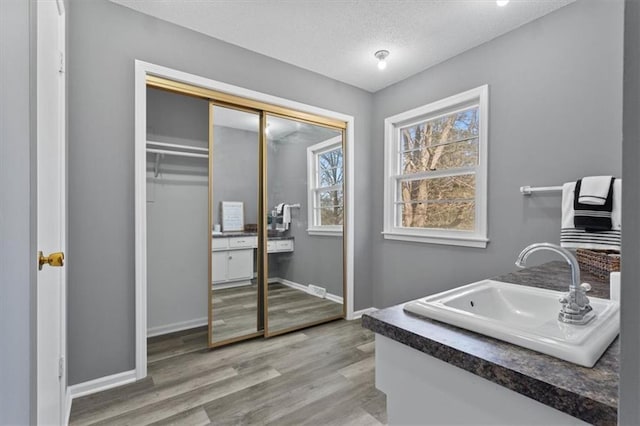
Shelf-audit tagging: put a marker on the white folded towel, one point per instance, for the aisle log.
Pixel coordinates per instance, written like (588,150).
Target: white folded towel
(286,214)
(570,237)
(594,190)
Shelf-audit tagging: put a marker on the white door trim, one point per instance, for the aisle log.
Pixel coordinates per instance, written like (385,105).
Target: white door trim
(142,69)
(62,37)
(61,188)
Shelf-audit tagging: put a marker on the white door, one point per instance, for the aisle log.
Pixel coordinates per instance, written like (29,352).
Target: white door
(51,188)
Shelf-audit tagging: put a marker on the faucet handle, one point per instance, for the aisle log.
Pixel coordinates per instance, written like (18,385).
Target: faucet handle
(581,295)
(576,300)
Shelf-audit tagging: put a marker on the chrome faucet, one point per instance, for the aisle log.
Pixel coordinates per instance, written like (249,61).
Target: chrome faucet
(575,304)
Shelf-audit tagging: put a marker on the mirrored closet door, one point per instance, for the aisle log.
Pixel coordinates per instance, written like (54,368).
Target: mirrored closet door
(305,217)
(235,291)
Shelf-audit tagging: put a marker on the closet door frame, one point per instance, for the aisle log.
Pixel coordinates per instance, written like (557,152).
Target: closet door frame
(154,75)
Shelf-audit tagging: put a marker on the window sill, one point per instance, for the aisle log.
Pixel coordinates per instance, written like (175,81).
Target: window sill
(324,232)
(450,240)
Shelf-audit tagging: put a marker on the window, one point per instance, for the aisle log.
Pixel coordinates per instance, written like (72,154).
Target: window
(436,172)
(325,174)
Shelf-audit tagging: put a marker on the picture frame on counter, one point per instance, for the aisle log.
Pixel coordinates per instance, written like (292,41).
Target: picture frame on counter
(232,213)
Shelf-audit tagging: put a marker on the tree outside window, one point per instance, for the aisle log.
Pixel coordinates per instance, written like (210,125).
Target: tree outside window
(325,164)
(448,143)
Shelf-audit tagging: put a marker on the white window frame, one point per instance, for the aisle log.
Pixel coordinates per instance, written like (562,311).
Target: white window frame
(475,238)
(313,152)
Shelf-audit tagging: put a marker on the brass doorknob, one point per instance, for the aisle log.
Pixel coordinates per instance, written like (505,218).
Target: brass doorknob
(54,259)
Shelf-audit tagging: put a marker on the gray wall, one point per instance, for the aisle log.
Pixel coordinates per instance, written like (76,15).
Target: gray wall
(105,39)
(177,247)
(17,212)
(235,170)
(555,100)
(316,259)
(177,213)
(177,118)
(629,409)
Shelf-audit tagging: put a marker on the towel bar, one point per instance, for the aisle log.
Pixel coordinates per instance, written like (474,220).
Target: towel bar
(528,190)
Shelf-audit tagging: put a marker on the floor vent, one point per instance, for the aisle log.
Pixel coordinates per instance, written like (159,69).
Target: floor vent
(317,291)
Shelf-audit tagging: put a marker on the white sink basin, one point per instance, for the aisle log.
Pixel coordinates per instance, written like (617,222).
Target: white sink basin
(524,316)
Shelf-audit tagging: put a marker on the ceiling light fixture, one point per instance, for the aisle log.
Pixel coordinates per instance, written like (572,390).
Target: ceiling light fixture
(502,3)
(381,56)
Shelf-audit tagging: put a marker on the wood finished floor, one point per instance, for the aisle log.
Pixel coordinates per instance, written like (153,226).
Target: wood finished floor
(235,310)
(322,375)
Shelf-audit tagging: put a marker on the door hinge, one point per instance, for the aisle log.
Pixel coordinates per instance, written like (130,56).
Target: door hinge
(60,368)
(61,65)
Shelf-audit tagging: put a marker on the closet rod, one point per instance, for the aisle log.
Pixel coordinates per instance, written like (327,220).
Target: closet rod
(176,153)
(177,146)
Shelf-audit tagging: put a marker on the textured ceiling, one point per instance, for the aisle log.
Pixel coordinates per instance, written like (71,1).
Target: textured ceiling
(337,38)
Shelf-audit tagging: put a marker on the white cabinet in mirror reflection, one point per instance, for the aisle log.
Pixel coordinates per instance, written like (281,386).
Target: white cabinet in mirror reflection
(232,266)
(232,258)
(239,265)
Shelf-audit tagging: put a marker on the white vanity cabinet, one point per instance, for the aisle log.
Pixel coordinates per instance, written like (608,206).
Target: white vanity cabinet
(219,268)
(422,389)
(277,246)
(232,258)
(239,265)
(235,265)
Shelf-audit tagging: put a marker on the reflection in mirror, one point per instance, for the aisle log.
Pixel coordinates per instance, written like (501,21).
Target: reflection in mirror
(234,293)
(305,201)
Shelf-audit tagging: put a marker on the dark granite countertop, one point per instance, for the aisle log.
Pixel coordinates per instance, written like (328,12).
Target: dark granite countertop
(590,394)
(250,234)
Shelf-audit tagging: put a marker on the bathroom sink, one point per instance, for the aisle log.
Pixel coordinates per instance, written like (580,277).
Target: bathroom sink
(524,316)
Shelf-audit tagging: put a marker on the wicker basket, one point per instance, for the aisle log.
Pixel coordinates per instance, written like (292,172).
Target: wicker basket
(251,227)
(599,262)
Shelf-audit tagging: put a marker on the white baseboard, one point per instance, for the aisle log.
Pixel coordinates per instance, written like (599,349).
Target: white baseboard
(101,384)
(302,287)
(178,326)
(358,314)
(67,406)
(288,283)
(334,298)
